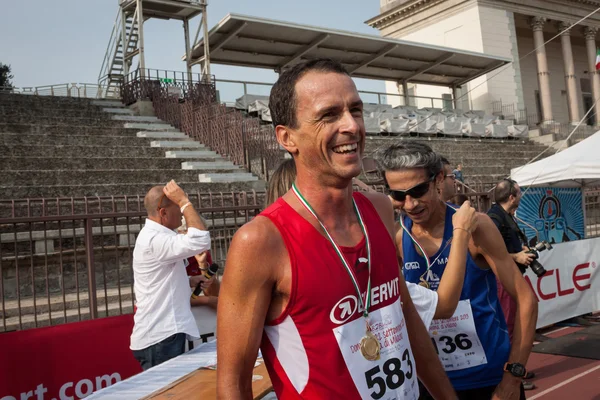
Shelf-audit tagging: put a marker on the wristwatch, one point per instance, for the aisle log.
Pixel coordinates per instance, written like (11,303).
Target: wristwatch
(516,369)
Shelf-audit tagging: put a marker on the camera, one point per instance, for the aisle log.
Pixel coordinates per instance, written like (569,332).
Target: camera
(535,265)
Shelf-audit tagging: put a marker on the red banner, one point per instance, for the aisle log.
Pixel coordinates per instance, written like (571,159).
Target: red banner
(66,362)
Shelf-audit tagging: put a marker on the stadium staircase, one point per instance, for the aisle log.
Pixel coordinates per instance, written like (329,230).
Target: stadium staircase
(54,147)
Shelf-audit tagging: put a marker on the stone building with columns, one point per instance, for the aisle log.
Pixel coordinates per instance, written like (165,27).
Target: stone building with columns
(554,82)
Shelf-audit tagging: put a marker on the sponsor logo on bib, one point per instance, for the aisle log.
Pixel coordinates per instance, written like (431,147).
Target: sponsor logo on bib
(348,305)
(411,265)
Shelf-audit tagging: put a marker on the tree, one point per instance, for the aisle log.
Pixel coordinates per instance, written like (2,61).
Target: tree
(5,76)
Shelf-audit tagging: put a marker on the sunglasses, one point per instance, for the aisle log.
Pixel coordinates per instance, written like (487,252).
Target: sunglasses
(452,176)
(415,192)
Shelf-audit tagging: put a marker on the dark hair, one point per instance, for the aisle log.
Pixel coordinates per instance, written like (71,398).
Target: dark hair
(459,199)
(282,101)
(409,155)
(281,181)
(504,189)
(444,160)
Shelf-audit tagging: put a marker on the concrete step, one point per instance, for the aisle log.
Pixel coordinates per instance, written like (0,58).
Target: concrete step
(83,177)
(487,168)
(114,110)
(99,120)
(206,165)
(30,321)
(449,145)
(162,135)
(108,103)
(109,189)
(63,129)
(190,153)
(135,118)
(178,144)
(86,163)
(52,101)
(141,126)
(72,301)
(227,177)
(13,139)
(465,154)
(47,112)
(88,151)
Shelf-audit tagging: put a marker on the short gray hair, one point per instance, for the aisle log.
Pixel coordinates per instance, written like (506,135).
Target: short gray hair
(409,155)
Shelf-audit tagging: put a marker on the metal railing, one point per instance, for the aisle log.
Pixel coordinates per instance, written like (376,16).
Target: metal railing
(193,108)
(77,90)
(70,259)
(592,212)
(230,90)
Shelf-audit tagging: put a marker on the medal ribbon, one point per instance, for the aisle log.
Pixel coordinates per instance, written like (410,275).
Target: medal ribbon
(366,306)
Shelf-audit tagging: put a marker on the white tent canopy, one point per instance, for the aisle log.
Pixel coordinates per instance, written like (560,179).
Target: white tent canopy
(578,165)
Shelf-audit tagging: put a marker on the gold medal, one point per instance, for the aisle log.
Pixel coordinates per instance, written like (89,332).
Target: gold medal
(424,283)
(370,347)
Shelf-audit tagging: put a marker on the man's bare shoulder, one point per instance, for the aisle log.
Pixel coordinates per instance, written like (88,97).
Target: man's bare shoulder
(384,208)
(378,199)
(260,233)
(485,225)
(486,235)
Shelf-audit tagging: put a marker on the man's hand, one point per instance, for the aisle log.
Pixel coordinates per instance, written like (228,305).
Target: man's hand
(523,257)
(175,193)
(465,218)
(202,280)
(508,389)
(201,258)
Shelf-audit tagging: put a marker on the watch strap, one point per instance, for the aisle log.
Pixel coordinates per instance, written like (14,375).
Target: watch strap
(508,367)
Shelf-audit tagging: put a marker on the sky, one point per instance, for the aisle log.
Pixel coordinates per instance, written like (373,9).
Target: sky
(64,41)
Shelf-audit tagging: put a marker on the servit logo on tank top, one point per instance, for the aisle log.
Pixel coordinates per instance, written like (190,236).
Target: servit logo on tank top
(348,305)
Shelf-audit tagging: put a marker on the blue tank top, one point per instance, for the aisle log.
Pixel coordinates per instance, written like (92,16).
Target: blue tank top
(480,288)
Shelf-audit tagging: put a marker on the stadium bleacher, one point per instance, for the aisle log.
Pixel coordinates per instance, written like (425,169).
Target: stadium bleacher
(488,146)
(406,120)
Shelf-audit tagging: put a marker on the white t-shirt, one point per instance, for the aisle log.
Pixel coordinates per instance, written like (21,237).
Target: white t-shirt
(425,301)
(161,285)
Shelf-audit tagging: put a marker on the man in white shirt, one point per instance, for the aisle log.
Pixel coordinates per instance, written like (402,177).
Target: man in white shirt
(163,319)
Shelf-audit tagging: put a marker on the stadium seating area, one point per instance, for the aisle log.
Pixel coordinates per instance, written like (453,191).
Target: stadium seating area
(407,120)
(59,146)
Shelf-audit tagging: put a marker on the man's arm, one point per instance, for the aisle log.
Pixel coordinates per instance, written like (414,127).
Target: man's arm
(178,196)
(244,301)
(486,238)
(429,368)
(464,222)
(210,288)
(205,301)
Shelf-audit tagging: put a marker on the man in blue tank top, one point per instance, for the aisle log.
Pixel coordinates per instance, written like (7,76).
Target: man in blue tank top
(473,345)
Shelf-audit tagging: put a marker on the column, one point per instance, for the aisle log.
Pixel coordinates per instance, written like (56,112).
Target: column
(590,43)
(570,78)
(188,51)
(141,59)
(537,23)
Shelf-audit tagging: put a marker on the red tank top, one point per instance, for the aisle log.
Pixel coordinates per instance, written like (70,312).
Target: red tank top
(301,348)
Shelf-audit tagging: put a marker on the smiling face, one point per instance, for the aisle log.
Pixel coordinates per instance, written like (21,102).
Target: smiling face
(329,135)
(420,208)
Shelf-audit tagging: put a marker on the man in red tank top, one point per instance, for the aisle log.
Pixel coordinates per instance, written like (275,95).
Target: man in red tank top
(314,280)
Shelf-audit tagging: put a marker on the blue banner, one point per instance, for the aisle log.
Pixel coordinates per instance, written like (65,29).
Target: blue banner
(556,213)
